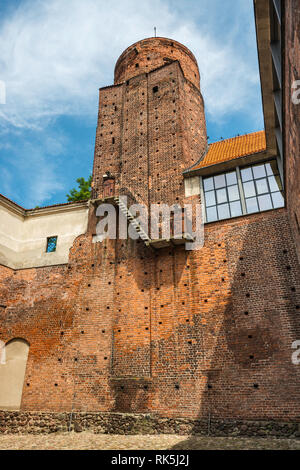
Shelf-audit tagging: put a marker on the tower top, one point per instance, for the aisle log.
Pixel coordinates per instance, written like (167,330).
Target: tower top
(151,53)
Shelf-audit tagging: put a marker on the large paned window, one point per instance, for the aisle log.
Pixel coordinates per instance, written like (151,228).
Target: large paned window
(255,188)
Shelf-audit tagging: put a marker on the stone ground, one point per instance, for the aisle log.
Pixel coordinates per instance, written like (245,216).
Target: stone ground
(90,441)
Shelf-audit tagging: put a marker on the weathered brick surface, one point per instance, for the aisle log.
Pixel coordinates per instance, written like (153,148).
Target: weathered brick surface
(122,328)
(153,53)
(146,138)
(292,115)
(196,334)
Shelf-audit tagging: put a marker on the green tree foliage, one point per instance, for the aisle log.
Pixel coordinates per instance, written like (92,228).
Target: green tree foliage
(83,192)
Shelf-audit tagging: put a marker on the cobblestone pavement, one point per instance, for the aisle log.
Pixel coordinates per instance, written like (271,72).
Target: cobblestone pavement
(90,441)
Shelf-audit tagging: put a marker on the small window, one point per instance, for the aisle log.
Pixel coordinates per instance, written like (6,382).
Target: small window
(51,244)
(155,89)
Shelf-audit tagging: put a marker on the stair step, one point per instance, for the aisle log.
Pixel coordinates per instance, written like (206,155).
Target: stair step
(125,211)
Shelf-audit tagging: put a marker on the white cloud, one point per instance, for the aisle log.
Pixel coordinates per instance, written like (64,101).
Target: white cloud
(33,165)
(56,54)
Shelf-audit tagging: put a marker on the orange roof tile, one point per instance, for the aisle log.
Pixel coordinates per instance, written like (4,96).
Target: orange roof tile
(230,149)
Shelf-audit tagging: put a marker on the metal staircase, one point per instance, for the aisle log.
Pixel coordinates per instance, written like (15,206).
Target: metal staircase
(151,243)
(131,219)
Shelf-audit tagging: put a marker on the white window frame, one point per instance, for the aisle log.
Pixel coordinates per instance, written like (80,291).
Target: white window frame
(237,170)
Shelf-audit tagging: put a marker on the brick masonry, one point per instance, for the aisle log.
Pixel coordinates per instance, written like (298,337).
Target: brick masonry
(195,335)
(182,334)
(153,53)
(151,127)
(292,115)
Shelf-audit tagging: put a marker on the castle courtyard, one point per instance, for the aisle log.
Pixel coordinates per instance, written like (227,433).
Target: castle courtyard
(90,441)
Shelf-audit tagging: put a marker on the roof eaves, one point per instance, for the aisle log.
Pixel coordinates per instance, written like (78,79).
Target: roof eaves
(232,162)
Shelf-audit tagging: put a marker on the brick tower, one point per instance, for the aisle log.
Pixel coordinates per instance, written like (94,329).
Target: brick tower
(100,331)
(151,123)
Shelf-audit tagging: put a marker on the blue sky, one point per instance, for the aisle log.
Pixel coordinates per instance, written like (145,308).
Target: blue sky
(55,55)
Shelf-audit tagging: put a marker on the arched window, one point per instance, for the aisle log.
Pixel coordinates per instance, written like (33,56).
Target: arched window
(12,372)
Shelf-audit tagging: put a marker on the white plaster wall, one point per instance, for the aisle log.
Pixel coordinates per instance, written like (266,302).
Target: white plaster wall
(23,239)
(192,186)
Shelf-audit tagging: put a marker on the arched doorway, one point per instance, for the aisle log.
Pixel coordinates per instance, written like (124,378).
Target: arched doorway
(12,373)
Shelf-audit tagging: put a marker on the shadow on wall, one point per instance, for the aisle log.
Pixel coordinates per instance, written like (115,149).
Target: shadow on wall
(12,372)
(250,375)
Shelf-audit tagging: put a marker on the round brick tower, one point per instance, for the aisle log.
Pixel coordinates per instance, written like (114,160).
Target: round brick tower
(151,124)
(152,53)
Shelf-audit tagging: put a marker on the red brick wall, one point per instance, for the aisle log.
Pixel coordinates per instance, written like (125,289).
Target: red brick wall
(136,324)
(108,145)
(153,53)
(292,115)
(156,135)
(124,328)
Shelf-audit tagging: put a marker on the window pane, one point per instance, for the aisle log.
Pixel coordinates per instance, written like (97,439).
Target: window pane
(246,174)
(262,186)
(252,205)
(221,196)
(211,214)
(208,184)
(265,202)
(249,189)
(231,178)
(233,193)
(275,183)
(236,209)
(223,211)
(271,168)
(210,198)
(278,200)
(262,189)
(219,181)
(259,171)
(51,244)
